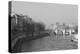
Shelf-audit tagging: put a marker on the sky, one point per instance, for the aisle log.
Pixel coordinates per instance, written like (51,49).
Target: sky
(48,13)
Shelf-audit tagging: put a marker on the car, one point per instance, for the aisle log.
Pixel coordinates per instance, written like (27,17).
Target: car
(74,38)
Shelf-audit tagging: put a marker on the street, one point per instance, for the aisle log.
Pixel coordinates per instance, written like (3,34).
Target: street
(49,43)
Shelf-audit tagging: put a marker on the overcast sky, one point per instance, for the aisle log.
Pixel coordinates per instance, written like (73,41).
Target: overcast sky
(49,13)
